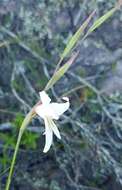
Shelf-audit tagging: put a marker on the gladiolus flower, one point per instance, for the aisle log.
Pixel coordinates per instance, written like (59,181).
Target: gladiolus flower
(49,112)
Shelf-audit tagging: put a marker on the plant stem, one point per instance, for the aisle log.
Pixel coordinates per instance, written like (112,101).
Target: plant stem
(13,161)
(21,131)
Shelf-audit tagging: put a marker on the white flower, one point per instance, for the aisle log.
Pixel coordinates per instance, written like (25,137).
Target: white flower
(49,111)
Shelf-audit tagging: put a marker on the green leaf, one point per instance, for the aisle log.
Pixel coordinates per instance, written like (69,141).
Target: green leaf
(74,39)
(57,75)
(100,21)
(29,140)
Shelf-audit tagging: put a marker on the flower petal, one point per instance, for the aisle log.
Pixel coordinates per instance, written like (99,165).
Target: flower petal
(41,110)
(44,97)
(58,109)
(54,128)
(48,135)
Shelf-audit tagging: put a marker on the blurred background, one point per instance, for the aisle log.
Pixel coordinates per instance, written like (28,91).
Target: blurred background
(33,34)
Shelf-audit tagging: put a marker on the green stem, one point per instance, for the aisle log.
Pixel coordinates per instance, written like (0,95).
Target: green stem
(13,161)
(21,131)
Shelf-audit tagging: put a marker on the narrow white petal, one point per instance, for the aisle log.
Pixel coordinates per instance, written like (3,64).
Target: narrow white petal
(38,110)
(54,128)
(41,110)
(48,136)
(58,109)
(44,97)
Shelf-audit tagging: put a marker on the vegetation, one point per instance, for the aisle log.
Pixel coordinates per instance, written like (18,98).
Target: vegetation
(33,36)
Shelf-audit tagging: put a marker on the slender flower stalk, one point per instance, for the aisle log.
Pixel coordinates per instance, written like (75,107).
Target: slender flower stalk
(23,126)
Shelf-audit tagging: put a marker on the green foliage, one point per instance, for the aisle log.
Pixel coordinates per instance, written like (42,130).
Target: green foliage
(4,161)
(18,120)
(31,27)
(88,93)
(18,86)
(29,140)
(9,143)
